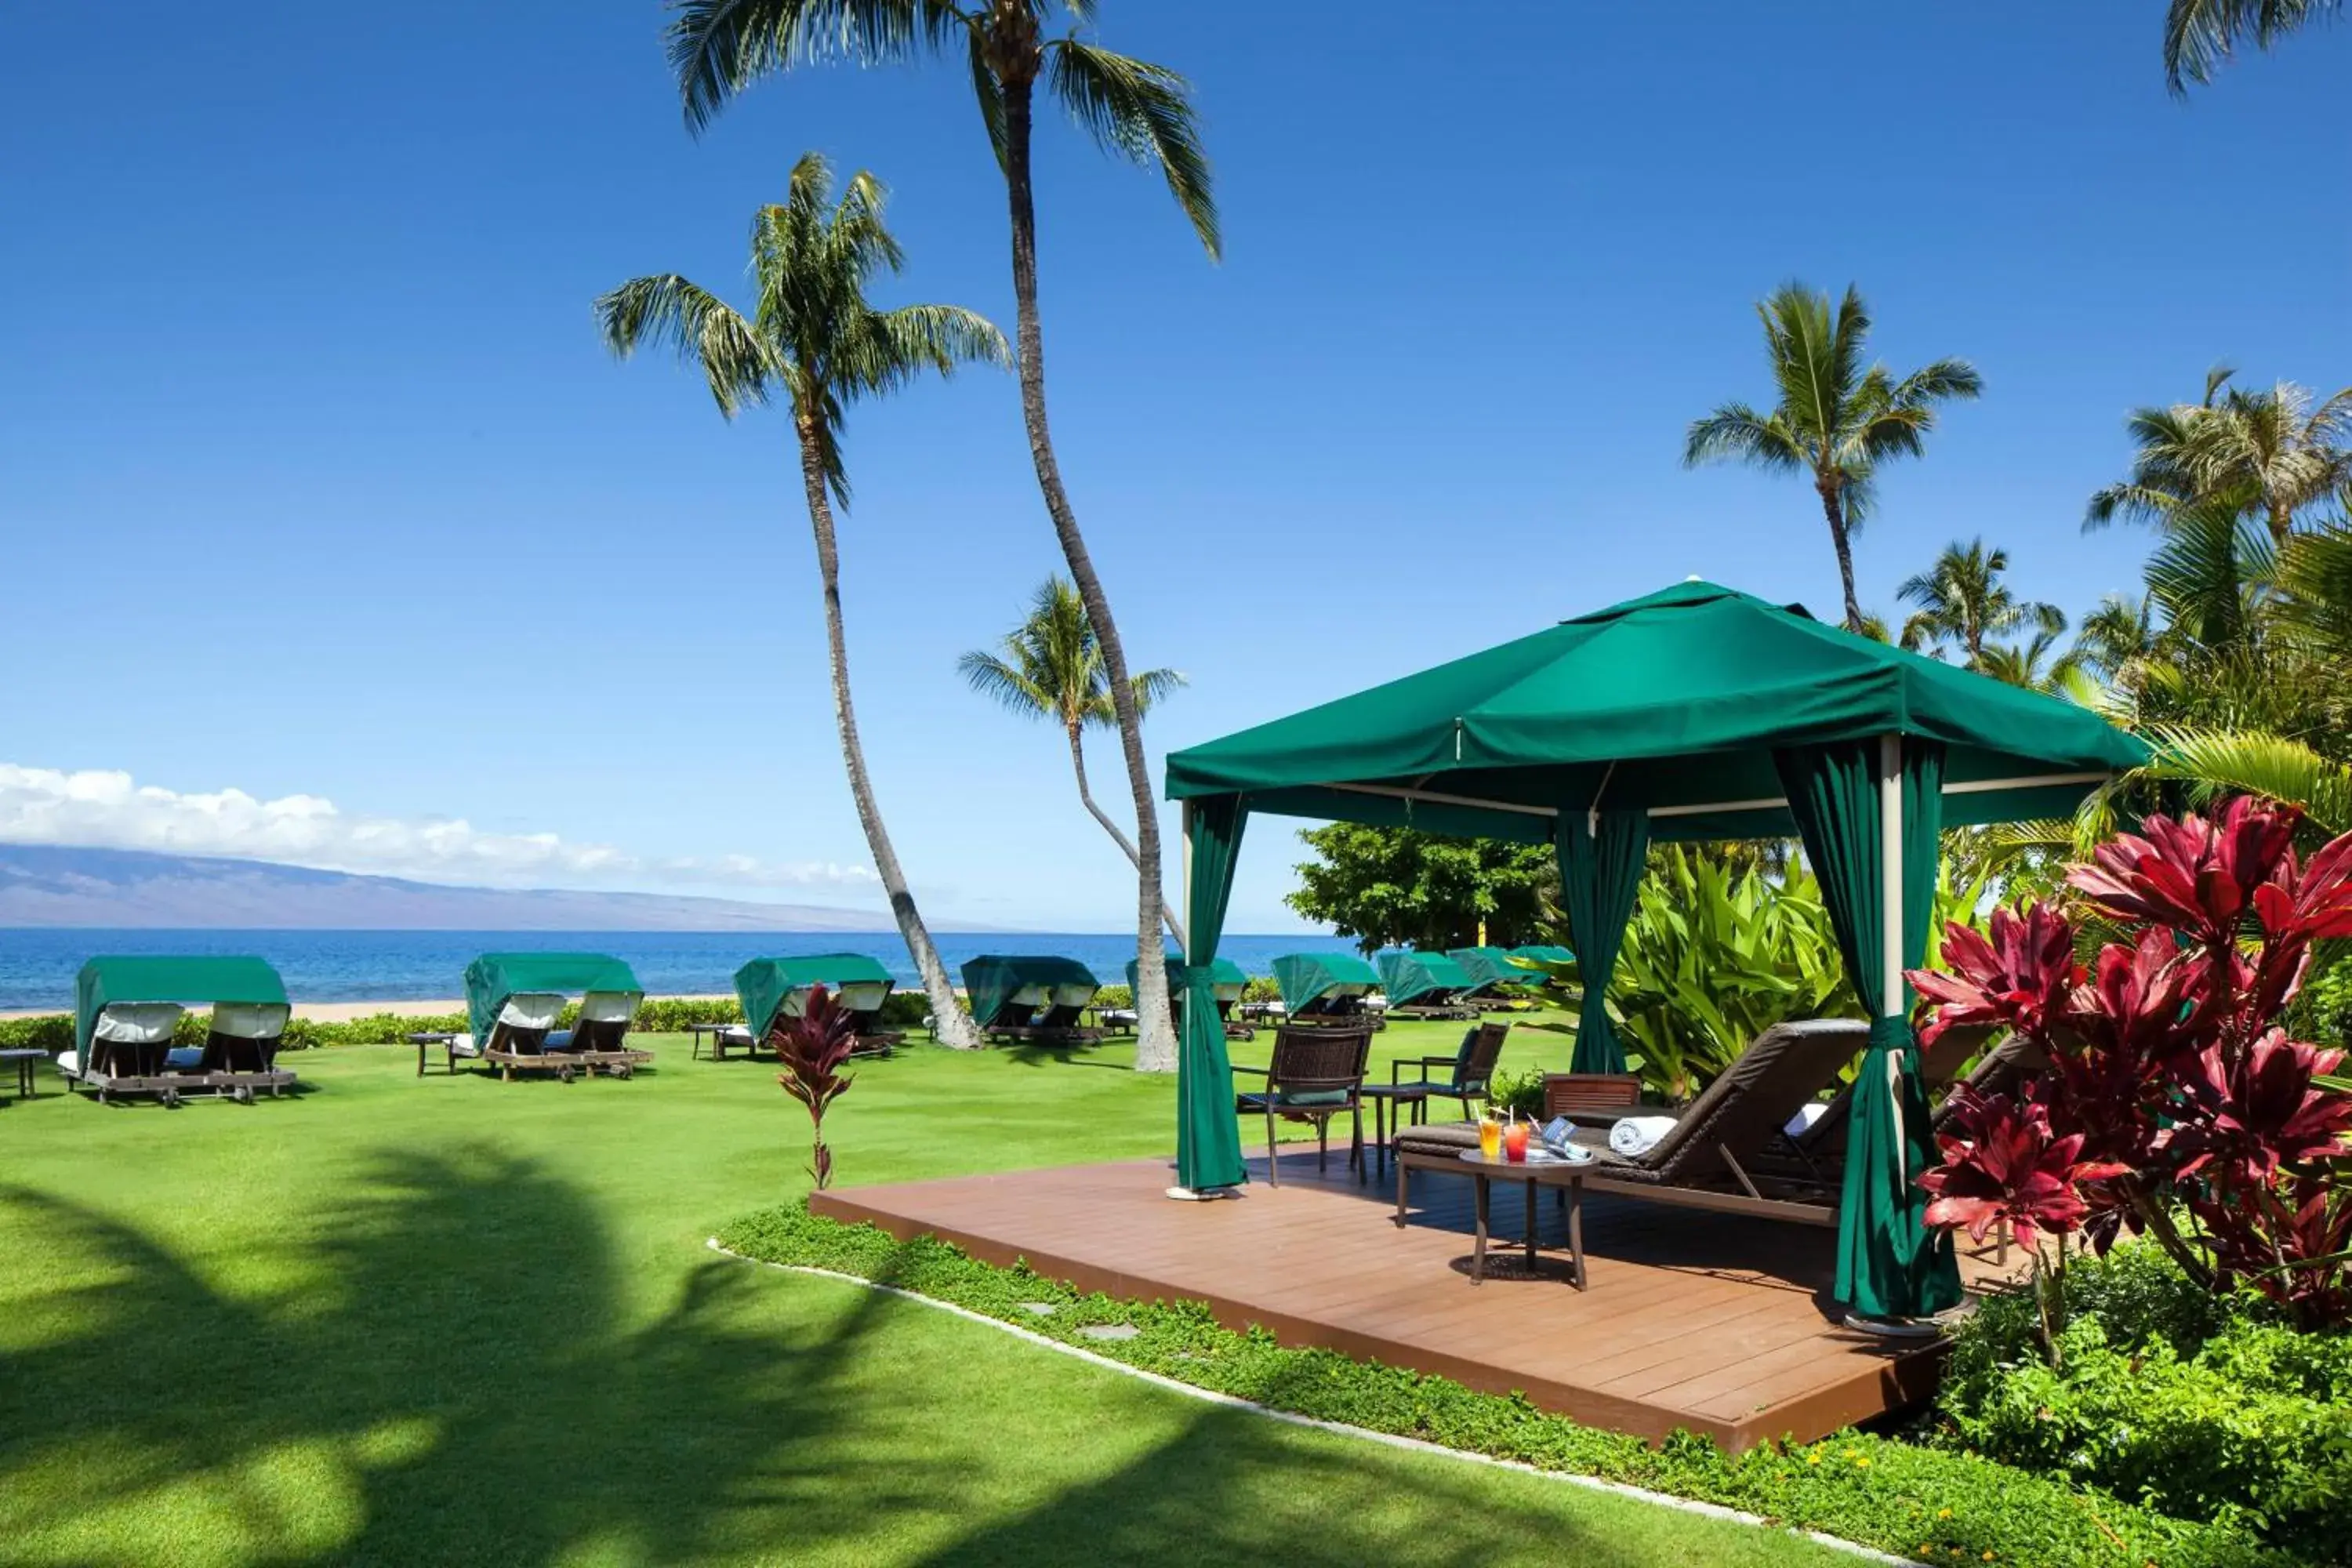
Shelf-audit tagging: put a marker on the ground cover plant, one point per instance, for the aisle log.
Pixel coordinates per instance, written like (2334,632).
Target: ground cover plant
(439,1320)
(1919,1502)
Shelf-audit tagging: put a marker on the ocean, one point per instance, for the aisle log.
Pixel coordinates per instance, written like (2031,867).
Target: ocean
(38,965)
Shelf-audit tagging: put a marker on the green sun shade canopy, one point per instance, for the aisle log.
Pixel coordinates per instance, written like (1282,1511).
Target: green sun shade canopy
(195,982)
(495,976)
(993,979)
(1407,977)
(1666,703)
(1489,967)
(1224,974)
(1308,977)
(764,984)
(1542,952)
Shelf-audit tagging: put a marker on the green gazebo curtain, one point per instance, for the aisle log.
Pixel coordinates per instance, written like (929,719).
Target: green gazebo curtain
(1600,859)
(1889,1264)
(1208,1138)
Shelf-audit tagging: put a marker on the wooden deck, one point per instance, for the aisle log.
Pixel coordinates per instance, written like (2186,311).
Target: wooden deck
(1715,1323)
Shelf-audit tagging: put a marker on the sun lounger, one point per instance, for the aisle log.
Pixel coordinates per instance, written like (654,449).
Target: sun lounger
(1327,989)
(1425,986)
(1707,1159)
(1228,981)
(1496,984)
(514,999)
(127,1009)
(774,988)
(1031,999)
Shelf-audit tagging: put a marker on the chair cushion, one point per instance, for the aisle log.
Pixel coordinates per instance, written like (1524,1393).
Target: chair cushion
(1462,1057)
(1438,1137)
(1301,1098)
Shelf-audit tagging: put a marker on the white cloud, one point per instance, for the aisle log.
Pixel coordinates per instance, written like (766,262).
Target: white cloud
(105,809)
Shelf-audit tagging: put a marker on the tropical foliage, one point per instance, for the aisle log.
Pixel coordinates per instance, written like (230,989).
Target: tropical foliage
(812,1049)
(2172,1103)
(1835,420)
(1394,887)
(2199,35)
(1051,666)
(1963,603)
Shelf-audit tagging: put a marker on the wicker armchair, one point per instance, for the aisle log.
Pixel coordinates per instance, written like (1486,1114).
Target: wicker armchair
(1316,1074)
(1465,1073)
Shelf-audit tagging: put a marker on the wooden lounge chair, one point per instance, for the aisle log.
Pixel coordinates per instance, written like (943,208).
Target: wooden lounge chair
(240,1050)
(518,1040)
(1464,1076)
(1705,1160)
(597,1040)
(1818,1150)
(1316,1074)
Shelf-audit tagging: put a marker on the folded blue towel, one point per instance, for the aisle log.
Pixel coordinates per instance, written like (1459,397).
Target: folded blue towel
(559,1040)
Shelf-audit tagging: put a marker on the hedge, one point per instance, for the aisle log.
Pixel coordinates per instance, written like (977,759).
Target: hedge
(1917,1502)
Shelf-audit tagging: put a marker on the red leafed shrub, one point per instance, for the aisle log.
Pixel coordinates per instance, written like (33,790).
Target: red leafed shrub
(2172,1101)
(812,1050)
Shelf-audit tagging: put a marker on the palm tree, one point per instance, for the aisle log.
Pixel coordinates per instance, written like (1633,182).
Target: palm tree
(1962,600)
(1051,666)
(2022,664)
(2273,453)
(1138,109)
(2199,35)
(1835,421)
(2117,636)
(813,339)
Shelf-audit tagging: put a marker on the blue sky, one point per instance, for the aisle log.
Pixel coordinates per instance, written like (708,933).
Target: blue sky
(318,484)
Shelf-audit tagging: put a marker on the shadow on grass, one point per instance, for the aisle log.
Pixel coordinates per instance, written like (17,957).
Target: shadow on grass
(453,1379)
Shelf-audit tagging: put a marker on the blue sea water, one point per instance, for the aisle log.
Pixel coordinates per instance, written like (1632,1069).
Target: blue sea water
(38,965)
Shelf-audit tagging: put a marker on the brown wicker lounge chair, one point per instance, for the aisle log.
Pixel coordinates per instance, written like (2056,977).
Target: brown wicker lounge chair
(1704,1161)
(1819,1149)
(1316,1074)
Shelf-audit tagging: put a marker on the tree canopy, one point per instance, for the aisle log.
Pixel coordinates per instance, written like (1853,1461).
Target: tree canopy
(1394,887)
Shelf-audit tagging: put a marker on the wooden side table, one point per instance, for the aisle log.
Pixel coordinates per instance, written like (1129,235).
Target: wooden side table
(1566,1175)
(1407,1098)
(26,1058)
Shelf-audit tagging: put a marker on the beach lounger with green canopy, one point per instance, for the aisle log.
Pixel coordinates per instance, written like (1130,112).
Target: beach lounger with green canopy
(1697,712)
(514,999)
(1425,986)
(126,1011)
(774,988)
(1541,952)
(1227,980)
(1031,999)
(1325,987)
(1496,982)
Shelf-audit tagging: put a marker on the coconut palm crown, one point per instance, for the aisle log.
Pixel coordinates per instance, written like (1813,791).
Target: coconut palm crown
(1835,419)
(1963,602)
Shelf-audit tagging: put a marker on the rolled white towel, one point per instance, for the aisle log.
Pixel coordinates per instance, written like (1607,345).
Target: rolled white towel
(1807,1114)
(1633,1136)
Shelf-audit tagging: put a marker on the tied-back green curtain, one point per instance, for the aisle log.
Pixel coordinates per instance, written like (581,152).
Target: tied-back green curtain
(1601,861)
(1889,1264)
(1208,1138)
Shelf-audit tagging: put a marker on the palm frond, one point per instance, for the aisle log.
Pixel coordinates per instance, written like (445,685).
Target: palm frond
(1145,112)
(1736,430)
(665,308)
(1004,683)
(1153,686)
(2216,763)
(2199,35)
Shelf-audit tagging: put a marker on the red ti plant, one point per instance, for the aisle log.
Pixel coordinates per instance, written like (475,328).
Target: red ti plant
(2171,1100)
(812,1048)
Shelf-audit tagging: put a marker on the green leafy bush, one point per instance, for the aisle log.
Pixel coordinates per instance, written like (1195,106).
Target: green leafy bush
(1920,1502)
(1518,1092)
(1114,997)
(2203,1407)
(51,1032)
(1261,988)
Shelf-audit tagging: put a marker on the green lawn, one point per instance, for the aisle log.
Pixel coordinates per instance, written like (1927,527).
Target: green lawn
(449,1320)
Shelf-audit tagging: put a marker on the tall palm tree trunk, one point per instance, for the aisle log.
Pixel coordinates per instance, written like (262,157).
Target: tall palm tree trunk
(1833,508)
(1155,1048)
(954,1024)
(1126,845)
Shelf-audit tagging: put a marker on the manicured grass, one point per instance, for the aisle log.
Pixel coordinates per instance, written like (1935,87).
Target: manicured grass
(449,1320)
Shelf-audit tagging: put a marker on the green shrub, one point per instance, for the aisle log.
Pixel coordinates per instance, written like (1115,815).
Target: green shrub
(2203,1407)
(1518,1092)
(905,1009)
(51,1032)
(1921,1502)
(1261,988)
(1114,997)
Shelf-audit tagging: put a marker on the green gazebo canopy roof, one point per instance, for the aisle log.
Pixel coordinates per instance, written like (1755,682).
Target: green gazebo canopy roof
(495,976)
(1491,966)
(158,979)
(762,984)
(1673,703)
(1544,952)
(991,980)
(1224,972)
(1305,977)
(1406,976)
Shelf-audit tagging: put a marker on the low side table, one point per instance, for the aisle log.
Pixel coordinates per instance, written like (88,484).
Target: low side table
(425,1039)
(1407,1098)
(1566,1175)
(26,1058)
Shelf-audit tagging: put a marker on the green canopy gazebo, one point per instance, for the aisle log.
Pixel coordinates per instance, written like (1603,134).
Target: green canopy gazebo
(1490,968)
(109,981)
(1415,981)
(1226,978)
(494,978)
(1697,712)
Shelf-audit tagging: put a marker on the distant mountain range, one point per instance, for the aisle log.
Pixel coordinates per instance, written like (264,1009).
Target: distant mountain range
(41,885)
